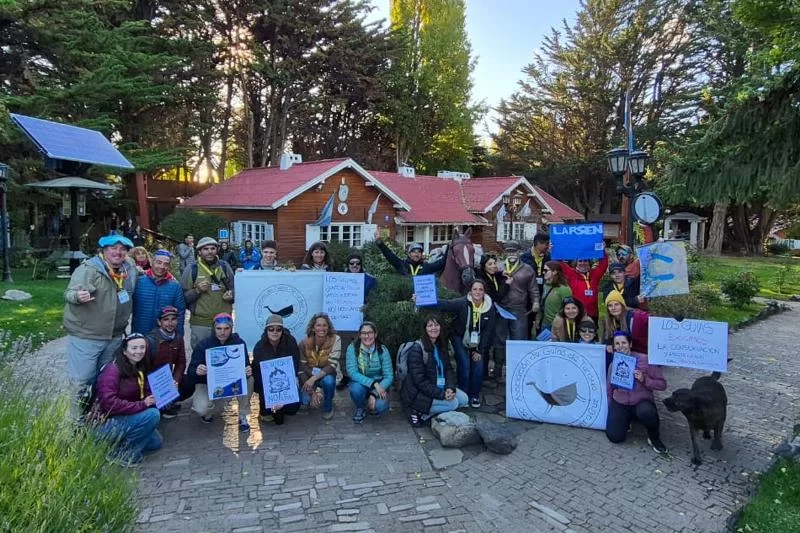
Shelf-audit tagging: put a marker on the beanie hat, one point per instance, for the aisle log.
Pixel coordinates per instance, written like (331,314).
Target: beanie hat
(616,266)
(615,296)
(206,241)
(163,253)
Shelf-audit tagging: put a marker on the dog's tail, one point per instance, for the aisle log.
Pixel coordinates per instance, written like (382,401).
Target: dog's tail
(716,375)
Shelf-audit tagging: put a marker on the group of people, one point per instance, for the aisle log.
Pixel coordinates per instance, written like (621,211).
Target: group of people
(108,369)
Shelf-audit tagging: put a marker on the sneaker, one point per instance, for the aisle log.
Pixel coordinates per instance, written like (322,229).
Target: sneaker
(475,403)
(207,419)
(414,419)
(657,445)
(170,411)
(327,415)
(360,415)
(244,426)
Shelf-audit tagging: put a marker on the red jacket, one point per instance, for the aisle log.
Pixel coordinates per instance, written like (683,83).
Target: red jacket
(578,283)
(167,352)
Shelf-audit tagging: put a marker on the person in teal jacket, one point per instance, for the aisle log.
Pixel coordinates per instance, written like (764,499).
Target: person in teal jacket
(369,365)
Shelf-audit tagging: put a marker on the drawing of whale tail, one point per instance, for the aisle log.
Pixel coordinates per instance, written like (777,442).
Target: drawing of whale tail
(286,311)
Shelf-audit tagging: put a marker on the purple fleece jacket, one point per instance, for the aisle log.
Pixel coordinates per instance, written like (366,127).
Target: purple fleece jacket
(120,396)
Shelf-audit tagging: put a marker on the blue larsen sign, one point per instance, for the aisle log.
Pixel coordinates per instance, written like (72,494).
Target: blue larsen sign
(577,241)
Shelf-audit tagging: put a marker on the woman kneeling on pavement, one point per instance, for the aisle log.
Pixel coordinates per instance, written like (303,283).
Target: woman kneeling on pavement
(275,342)
(125,408)
(196,375)
(430,387)
(624,406)
(320,352)
(369,365)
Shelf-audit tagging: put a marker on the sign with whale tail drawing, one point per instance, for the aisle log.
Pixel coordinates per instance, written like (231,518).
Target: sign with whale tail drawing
(557,382)
(577,241)
(295,296)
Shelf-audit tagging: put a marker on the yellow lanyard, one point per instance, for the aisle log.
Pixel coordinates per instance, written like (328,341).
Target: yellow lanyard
(620,290)
(117,278)
(209,272)
(494,282)
(414,269)
(570,331)
(538,261)
(140,379)
(509,270)
(476,316)
(586,279)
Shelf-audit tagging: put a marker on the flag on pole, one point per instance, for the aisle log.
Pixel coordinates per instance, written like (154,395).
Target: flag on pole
(526,209)
(326,217)
(501,214)
(373,208)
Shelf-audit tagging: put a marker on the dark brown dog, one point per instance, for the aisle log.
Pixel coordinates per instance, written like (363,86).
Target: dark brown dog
(705,407)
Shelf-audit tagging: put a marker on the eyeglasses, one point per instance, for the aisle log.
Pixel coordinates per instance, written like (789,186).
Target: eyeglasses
(584,330)
(547,270)
(354,263)
(366,333)
(274,329)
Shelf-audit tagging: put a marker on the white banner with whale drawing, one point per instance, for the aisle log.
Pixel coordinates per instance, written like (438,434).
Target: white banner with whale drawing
(557,382)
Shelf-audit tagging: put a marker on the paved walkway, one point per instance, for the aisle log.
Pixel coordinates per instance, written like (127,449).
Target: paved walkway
(312,475)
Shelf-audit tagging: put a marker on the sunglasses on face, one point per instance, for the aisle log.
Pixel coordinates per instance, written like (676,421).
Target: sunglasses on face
(547,270)
(584,330)
(354,263)
(274,329)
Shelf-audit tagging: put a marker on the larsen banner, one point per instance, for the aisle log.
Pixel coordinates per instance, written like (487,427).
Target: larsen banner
(577,241)
(557,382)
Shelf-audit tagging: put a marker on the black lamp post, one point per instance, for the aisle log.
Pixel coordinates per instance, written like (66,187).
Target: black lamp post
(4,173)
(623,161)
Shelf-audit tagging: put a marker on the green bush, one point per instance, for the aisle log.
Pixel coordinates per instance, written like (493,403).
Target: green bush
(338,255)
(54,478)
(198,223)
(689,305)
(740,288)
(375,263)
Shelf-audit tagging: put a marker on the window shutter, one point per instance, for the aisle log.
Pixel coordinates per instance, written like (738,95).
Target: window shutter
(529,231)
(500,236)
(312,235)
(368,232)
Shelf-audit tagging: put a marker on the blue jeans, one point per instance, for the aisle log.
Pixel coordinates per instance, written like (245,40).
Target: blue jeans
(133,434)
(470,373)
(359,394)
(328,386)
(443,406)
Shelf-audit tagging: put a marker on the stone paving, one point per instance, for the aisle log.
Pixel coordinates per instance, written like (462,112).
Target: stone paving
(313,475)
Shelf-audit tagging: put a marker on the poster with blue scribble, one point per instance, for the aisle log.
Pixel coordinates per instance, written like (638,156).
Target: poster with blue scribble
(664,270)
(226,371)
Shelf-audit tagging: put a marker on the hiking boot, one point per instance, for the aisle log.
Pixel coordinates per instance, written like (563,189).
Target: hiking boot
(207,419)
(475,403)
(278,416)
(360,415)
(414,419)
(170,411)
(657,445)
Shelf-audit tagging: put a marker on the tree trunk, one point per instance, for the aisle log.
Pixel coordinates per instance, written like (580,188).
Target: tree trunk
(716,232)
(226,128)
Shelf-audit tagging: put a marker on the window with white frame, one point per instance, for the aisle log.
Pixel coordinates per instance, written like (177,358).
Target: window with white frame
(350,234)
(252,230)
(442,233)
(408,232)
(513,231)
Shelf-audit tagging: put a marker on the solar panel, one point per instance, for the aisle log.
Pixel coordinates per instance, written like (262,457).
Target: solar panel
(70,143)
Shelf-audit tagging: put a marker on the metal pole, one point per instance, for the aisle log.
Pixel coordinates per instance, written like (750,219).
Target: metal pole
(6,258)
(631,238)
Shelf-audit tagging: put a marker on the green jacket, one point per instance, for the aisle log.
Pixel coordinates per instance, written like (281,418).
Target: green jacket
(206,305)
(551,303)
(103,318)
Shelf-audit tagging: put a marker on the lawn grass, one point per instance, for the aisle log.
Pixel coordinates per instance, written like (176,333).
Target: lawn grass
(725,312)
(776,505)
(767,269)
(39,318)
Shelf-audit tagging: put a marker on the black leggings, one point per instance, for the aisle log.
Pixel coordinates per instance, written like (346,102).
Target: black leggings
(620,416)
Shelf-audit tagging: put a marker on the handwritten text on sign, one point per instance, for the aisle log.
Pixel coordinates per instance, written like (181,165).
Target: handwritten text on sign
(698,344)
(343,298)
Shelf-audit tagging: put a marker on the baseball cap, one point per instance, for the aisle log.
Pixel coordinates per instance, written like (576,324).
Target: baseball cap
(414,246)
(112,240)
(167,311)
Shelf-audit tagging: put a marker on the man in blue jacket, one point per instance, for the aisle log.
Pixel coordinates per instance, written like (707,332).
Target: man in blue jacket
(157,288)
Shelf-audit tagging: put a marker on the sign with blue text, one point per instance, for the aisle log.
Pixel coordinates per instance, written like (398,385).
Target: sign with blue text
(280,381)
(226,371)
(557,382)
(664,269)
(698,344)
(577,241)
(163,387)
(425,290)
(343,299)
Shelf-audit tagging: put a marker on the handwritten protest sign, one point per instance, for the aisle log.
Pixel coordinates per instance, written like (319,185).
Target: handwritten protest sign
(226,371)
(698,344)
(343,298)
(162,385)
(622,368)
(664,269)
(577,241)
(280,383)
(425,290)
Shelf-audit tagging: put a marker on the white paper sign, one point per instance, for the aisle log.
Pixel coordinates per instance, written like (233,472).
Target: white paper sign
(280,381)
(698,344)
(342,299)
(226,371)
(557,382)
(296,296)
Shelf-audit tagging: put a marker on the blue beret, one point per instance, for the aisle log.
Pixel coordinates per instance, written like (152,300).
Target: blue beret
(111,240)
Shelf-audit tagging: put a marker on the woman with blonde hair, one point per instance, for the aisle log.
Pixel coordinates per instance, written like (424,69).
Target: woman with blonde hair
(320,353)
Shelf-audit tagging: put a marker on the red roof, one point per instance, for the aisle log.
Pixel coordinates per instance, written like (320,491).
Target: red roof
(432,199)
(561,211)
(480,193)
(264,188)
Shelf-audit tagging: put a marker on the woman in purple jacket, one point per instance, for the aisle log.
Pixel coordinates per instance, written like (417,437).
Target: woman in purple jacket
(625,406)
(125,407)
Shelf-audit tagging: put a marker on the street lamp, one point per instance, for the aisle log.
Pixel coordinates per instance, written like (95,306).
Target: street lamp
(4,173)
(623,161)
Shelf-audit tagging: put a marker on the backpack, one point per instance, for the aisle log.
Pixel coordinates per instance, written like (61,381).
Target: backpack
(401,373)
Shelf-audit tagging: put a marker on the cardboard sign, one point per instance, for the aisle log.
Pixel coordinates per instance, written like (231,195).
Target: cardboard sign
(698,344)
